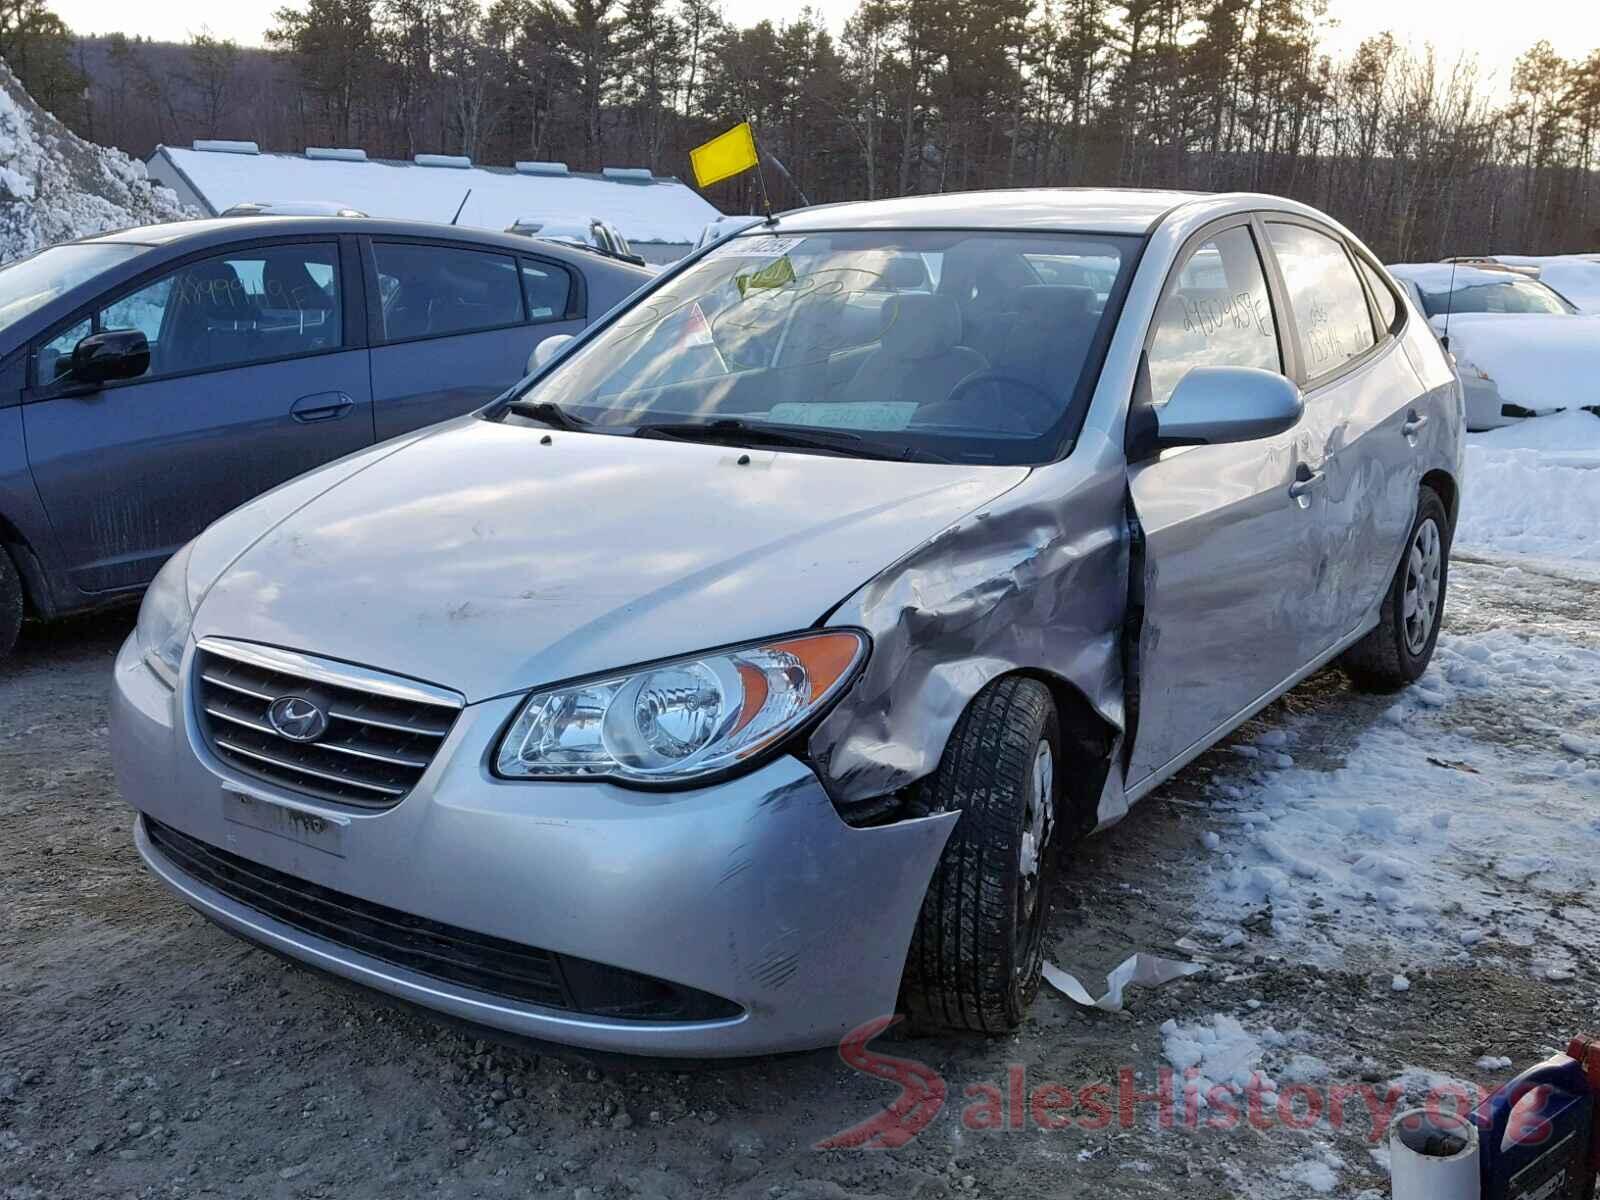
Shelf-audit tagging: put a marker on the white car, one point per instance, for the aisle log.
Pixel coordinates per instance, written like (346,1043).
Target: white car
(1522,349)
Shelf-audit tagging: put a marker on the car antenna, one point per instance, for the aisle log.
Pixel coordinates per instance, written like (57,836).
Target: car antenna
(1449,306)
(461,206)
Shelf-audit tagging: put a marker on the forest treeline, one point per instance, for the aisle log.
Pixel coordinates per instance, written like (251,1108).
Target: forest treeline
(1419,155)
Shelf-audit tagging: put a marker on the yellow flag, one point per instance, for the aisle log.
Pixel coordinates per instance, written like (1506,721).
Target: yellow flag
(724,155)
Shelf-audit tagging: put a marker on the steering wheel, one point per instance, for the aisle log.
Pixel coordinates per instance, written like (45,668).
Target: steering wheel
(1038,411)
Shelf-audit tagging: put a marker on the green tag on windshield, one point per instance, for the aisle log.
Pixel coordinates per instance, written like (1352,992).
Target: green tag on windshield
(773,275)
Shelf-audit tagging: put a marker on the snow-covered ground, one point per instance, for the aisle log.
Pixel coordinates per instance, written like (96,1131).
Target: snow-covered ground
(54,186)
(1458,835)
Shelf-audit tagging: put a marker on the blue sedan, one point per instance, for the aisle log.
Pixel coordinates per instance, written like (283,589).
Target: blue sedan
(153,379)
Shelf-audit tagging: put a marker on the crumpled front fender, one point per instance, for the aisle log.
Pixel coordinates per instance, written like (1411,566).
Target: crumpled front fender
(1035,581)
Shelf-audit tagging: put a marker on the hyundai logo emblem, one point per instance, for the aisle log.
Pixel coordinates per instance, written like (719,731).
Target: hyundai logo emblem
(298,719)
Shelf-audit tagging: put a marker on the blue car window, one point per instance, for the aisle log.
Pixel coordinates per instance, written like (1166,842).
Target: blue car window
(433,290)
(547,289)
(236,308)
(55,356)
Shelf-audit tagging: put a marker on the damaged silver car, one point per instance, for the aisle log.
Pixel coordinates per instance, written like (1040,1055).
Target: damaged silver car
(738,677)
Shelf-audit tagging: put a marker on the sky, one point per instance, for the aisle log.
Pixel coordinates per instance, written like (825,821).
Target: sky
(1495,30)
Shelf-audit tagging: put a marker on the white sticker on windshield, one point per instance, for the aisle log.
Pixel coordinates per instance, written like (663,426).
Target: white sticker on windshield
(764,246)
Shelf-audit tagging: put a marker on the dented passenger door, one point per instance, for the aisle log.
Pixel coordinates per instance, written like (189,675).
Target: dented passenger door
(1230,533)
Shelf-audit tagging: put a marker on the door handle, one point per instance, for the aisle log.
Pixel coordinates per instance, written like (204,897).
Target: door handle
(1302,486)
(324,406)
(1414,422)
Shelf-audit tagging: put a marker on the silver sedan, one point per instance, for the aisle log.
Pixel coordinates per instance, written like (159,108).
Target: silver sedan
(737,679)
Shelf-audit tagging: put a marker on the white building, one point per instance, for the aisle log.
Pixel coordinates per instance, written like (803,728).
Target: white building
(661,217)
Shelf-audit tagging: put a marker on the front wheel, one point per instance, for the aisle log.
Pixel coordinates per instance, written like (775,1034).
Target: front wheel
(1397,651)
(978,945)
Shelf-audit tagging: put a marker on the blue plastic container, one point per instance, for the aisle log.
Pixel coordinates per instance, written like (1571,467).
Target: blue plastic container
(1537,1135)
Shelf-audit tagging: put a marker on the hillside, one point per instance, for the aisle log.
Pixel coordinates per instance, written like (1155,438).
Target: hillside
(55,186)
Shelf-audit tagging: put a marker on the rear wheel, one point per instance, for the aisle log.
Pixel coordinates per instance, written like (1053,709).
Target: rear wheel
(10,604)
(978,945)
(1398,650)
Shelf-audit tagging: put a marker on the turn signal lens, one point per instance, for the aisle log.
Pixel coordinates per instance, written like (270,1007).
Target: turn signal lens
(680,720)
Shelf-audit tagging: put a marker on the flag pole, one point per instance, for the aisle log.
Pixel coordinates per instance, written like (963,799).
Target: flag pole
(761,174)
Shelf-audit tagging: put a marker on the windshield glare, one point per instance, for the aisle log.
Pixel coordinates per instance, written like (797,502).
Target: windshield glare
(30,284)
(1508,296)
(971,345)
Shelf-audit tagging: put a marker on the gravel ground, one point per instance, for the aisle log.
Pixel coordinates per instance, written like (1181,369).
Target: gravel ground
(145,1053)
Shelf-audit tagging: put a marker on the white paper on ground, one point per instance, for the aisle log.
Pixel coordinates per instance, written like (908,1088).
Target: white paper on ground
(1145,970)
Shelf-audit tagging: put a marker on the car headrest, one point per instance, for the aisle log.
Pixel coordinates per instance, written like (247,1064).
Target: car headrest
(919,325)
(287,283)
(904,273)
(1047,303)
(214,287)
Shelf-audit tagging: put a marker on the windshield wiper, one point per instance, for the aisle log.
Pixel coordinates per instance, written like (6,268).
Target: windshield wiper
(548,413)
(736,431)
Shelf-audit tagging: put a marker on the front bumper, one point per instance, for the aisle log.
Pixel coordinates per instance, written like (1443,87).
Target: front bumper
(751,890)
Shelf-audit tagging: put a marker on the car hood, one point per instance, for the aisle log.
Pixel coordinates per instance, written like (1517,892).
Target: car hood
(1538,361)
(479,558)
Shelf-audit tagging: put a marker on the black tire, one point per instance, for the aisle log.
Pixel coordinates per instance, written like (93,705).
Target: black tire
(1387,659)
(978,945)
(10,604)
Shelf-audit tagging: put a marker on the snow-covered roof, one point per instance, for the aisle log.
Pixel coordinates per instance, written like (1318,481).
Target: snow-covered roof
(643,207)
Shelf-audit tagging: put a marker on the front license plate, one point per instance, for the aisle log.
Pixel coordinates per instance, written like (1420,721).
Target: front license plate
(296,825)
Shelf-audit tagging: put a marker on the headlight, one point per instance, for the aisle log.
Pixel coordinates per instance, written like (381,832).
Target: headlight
(683,719)
(165,617)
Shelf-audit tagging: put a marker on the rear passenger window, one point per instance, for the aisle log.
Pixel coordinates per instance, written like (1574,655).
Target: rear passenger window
(1330,308)
(432,290)
(1382,294)
(548,290)
(1216,313)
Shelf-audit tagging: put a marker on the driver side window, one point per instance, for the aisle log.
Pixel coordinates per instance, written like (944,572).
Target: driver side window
(55,356)
(1216,312)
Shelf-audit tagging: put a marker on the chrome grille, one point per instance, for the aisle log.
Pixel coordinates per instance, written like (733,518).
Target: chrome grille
(382,732)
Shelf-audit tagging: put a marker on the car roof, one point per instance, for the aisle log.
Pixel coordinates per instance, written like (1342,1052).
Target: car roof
(1101,210)
(222,231)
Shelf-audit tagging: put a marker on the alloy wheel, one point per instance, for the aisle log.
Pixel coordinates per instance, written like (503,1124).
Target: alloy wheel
(1423,570)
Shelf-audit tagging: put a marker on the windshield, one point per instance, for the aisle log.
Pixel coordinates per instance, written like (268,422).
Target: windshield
(30,284)
(973,346)
(1510,295)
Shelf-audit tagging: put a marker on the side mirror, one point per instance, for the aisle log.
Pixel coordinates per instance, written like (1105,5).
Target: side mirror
(1214,406)
(112,354)
(547,350)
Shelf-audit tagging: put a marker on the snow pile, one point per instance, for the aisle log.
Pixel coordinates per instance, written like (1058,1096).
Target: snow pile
(1409,847)
(1218,1054)
(54,186)
(1533,489)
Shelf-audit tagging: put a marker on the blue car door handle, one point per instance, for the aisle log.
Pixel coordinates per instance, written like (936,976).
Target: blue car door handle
(323,406)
